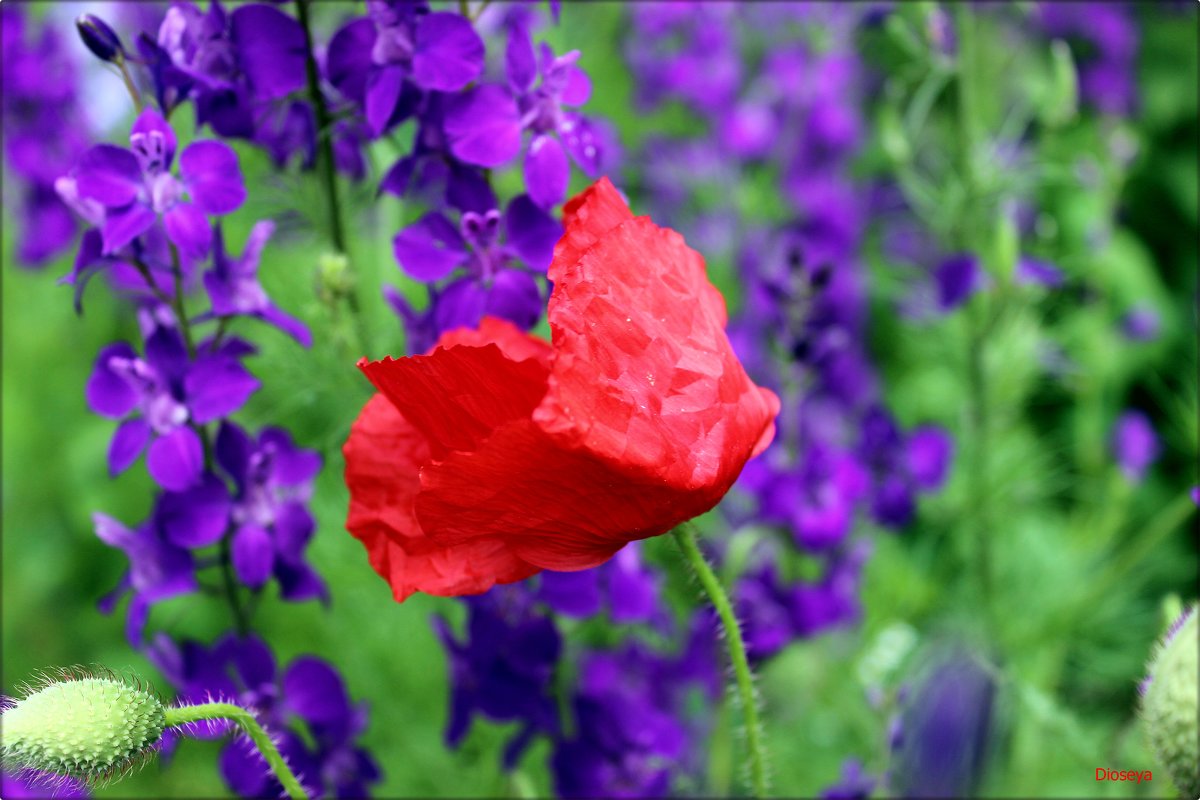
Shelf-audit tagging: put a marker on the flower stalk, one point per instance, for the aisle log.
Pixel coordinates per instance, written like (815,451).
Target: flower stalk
(183,715)
(686,539)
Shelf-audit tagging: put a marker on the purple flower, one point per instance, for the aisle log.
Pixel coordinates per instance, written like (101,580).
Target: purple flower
(240,69)
(816,498)
(775,612)
(855,783)
(1034,272)
(382,62)
(158,569)
(631,727)
(28,783)
(555,132)
(170,394)
(233,285)
(243,671)
(503,668)
(946,726)
(99,37)
(135,187)
(480,254)
(1141,323)
(1107,59)
(44,132)
(958,278)
(1135,444)
(624,584)
(272,525)
(484,125)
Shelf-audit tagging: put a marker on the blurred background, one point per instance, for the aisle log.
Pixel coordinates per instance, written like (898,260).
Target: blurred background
(961,243)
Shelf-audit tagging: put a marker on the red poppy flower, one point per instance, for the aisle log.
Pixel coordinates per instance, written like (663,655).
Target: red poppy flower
(497,455)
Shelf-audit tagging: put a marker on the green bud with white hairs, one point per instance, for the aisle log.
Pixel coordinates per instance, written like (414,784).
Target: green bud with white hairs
(87,725)
(1170,697)
(95,726)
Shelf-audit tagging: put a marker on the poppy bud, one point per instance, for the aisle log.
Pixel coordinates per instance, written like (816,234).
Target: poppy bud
(1170,695)
(100,38)
(82,725)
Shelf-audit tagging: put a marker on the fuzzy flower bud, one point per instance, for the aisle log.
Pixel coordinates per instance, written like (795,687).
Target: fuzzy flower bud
(101,39)
(83,725)
(1170,696)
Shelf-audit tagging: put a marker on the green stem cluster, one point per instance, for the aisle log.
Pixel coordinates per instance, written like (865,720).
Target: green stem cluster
(686,540)
(183,715)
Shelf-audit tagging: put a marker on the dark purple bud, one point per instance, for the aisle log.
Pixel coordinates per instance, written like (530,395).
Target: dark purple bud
(100,38)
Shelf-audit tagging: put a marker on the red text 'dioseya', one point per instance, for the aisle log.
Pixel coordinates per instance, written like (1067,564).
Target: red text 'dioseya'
(1103,774)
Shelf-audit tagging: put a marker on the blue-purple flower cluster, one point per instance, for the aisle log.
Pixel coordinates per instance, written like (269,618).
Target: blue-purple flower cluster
(476,254)
(44,132)
(231,504)
(796,122)
(621,721)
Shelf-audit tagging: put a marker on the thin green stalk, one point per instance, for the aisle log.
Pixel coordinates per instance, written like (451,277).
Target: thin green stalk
(324,131)
(246,721)
(227,577)
(328,169)
(1166,522)
(130,86)
(978,414)
(686,540)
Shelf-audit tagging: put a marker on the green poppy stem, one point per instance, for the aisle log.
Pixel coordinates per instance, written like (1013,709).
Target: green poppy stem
(246,721)
(686,540)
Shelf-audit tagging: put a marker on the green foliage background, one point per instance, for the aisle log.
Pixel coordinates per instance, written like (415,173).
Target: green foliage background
(1082,561)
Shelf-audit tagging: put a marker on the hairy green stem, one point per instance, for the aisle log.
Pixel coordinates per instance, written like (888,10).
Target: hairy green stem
(686,540)
(246,721)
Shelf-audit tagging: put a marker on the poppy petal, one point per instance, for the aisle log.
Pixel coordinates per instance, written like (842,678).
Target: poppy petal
(457,396)
(383,457)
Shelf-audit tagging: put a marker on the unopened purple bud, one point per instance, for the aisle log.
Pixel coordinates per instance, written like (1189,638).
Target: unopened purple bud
(100,38)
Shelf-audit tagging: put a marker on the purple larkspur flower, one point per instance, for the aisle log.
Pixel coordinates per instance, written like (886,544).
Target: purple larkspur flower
(481,257)
(33,784)
(158,570)
(484,126)
(1141,323)
(947,725)
(242,670)
(44,132)
(1135,444)
(136,187)
(503,667)
(99,37)
(623,585)
(431,174)
(384,61)
(1106,45)
(633,733)
(1036,272)
(170,393)
(958,277)
(556,132)
(234,289)
(901,465)
(816,498)
(776,612)
(855,783)
(272,524)
(241,69)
